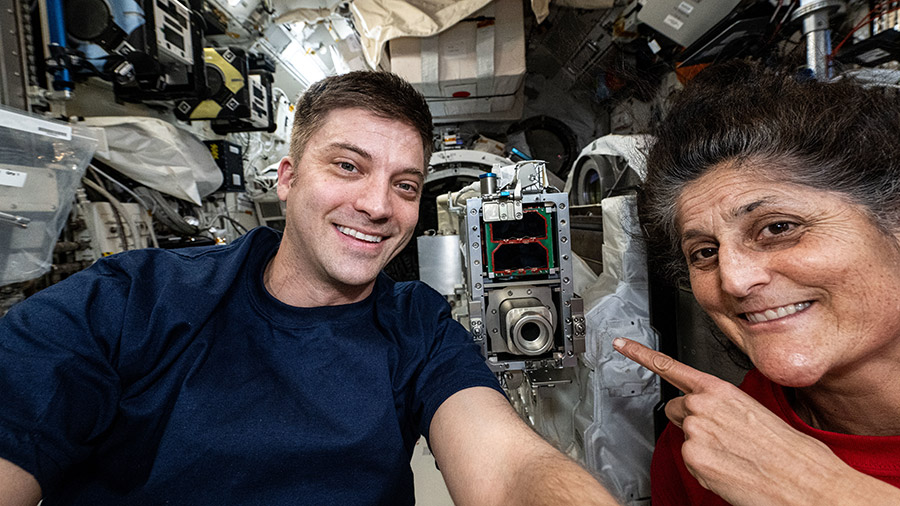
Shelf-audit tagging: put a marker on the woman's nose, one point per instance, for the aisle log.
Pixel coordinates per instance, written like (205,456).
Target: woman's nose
(741,270)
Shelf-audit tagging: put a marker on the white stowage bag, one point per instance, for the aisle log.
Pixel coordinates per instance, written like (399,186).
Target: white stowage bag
(379,21)
(159,155)
(619,441)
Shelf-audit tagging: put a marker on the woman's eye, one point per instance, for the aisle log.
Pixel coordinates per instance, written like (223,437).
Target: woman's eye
(703,254)
(778,228)
(349,167)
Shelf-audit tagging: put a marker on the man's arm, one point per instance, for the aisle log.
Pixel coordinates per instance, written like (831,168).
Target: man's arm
(489,456)
(17,486)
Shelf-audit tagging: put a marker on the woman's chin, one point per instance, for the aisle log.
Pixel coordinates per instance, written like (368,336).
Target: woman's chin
(792,370)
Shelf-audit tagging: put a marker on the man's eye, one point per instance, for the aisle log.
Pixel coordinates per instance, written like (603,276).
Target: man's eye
(407,187)
(349,167)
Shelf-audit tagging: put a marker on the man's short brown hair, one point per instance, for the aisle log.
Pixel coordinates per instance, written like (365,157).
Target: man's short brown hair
(381,93)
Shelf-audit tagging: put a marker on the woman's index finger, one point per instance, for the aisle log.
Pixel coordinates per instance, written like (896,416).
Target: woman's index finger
(683,377)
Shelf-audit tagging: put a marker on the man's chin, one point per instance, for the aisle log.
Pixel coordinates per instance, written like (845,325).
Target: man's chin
(357,280)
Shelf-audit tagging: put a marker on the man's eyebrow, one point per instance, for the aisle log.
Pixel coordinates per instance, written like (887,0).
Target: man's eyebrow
(352,147)
(413,171)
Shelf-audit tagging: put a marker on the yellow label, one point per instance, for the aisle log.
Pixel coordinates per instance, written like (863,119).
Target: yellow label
(234,81)
(208,109)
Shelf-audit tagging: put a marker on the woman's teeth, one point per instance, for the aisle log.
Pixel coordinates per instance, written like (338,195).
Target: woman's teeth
(776,313)
(359,235)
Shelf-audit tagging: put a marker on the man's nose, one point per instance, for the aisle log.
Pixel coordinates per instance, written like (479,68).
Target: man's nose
(742,269)
(374,200)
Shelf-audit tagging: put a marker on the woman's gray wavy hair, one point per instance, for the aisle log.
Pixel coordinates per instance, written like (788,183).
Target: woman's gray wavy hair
(837,137)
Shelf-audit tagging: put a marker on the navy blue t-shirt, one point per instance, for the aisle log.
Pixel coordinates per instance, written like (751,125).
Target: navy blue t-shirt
(174,377)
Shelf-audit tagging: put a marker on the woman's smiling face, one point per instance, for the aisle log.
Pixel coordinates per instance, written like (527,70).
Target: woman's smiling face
(799,279)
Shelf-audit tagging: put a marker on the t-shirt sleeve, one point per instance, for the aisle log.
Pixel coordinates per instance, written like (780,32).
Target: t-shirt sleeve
(58,390)
(452,360)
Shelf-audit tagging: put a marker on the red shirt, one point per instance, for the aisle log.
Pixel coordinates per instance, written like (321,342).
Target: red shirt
(672,484)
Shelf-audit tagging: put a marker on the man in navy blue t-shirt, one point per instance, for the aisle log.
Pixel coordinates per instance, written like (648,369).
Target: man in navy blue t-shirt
(280,369)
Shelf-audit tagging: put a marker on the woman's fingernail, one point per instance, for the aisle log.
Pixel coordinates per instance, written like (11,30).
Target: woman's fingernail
(618,343)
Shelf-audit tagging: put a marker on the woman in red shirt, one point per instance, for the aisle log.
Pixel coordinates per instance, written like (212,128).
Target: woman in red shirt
(778,199)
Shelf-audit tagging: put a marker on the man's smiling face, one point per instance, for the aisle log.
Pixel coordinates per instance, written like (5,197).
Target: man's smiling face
(352,199)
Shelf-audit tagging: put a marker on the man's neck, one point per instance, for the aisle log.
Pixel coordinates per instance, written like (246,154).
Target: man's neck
(296,288)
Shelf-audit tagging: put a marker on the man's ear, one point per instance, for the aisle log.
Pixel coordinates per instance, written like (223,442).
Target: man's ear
(285,177)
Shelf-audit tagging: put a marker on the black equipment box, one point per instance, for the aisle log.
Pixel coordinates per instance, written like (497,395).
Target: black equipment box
(229,158)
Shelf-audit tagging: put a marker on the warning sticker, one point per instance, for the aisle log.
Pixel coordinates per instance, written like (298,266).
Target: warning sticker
(12,178)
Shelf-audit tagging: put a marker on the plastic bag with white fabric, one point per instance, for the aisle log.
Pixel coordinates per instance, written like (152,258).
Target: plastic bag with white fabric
(159,155)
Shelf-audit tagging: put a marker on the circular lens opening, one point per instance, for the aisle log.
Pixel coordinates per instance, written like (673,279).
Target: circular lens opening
(531,331)
(532,335)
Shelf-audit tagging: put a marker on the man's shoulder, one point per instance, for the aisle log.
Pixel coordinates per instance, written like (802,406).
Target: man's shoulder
(408,293)
(260,239)
(145,273)
(414,310)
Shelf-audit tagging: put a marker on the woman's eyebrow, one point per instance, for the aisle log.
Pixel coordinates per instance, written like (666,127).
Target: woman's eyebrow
(749,208)
(737,212)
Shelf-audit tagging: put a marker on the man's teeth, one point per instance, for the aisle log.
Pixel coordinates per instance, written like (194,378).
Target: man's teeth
(774,314)
(359,235)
